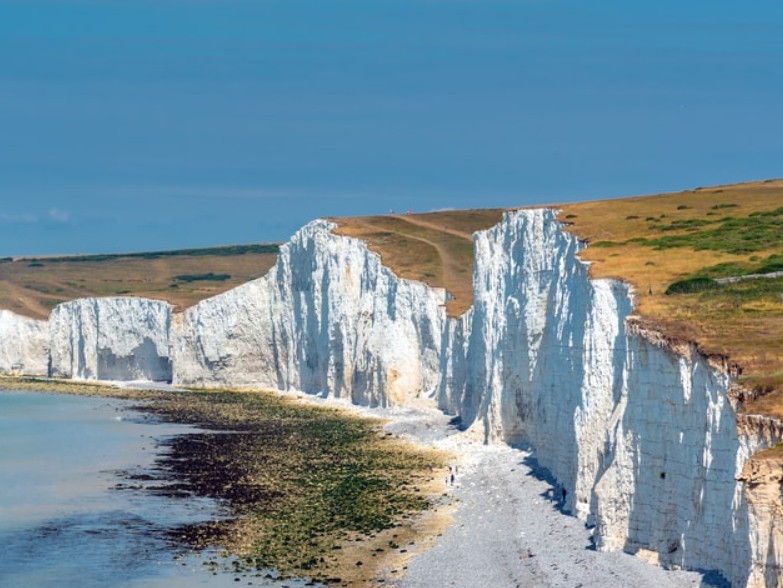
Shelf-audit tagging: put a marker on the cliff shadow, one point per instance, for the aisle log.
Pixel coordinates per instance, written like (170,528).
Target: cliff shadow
(143,362)
(552,495)
(683,457)
(713,579)
(556,494)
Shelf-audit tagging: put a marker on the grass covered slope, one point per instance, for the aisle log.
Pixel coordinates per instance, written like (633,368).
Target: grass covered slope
(435,248)
(33,286)
(676,249)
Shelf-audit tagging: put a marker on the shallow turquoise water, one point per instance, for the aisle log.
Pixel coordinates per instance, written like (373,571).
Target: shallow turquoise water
(62,521)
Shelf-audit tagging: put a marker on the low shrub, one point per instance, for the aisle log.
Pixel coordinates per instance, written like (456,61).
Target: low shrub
(690,285)
(210,277)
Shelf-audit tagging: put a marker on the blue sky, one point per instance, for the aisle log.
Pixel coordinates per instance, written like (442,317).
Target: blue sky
(137,125)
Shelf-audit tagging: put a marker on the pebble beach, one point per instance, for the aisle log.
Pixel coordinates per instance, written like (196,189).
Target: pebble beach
(507,529)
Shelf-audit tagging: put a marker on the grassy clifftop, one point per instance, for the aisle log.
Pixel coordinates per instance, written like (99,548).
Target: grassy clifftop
(435,248)
(33,286)
(678,249)
(675,249)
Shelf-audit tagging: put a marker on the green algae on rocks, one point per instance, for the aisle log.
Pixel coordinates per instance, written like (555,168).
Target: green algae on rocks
(305,484)
(310,490)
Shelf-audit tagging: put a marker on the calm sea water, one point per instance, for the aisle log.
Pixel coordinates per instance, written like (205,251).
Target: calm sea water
(63,523)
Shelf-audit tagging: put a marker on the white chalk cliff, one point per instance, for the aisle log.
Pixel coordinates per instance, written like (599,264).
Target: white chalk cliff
(119,338)
(24,344)
(641,432)
(329,319)
(638,430)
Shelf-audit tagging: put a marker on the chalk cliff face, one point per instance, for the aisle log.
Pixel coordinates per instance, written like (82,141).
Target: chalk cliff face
(639,431)
(329,318)
(117,338)
(24,344)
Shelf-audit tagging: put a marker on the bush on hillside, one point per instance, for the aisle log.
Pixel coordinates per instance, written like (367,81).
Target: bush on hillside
(210,277)
(691,285)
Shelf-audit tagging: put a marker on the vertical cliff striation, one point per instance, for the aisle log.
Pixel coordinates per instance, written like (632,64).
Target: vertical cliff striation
(118,338)
(329,319)
(24,344)
(638,430)
(641,432)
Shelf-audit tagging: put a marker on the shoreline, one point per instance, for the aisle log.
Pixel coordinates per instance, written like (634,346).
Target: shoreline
(497,525)
(66,521)
(360,556)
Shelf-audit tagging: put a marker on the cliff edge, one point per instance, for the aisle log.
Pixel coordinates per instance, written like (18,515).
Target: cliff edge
(641,433)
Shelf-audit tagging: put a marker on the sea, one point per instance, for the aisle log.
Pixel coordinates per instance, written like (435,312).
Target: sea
(71,517)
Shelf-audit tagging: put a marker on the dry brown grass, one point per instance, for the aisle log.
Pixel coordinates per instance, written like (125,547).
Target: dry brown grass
(33,287)
(435,248)
(747,329)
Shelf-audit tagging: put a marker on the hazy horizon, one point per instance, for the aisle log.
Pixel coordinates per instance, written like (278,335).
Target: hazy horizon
(138,126)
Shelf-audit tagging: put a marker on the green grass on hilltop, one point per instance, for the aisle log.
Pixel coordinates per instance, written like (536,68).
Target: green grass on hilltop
(755,232)
(672,248)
